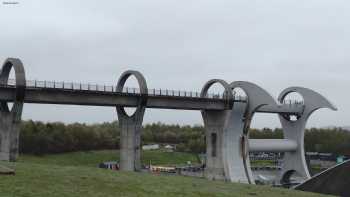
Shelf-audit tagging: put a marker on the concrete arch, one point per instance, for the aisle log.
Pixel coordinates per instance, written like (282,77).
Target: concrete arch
(312,99)
(295,129)
(17,65)
(256,98)
(143,90)
(10,119)
(285,178)
(214,123)
(211,82)
(236,132)
(131,126)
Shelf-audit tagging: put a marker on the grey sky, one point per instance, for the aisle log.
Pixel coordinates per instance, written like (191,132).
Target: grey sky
(181,45)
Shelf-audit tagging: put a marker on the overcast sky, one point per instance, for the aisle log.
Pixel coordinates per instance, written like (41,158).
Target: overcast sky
(180,45)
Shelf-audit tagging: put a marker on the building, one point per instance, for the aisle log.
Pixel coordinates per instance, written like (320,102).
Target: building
(150,147)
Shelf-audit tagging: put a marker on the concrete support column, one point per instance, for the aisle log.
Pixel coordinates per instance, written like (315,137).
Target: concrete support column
(214,126)
(9,137)
(130,142)
(214,123)
(294,162)
(10,119)
(131,126)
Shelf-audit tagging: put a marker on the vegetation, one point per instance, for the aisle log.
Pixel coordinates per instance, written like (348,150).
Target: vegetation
(262,163)
(93,158)
(43,138)
(52,175)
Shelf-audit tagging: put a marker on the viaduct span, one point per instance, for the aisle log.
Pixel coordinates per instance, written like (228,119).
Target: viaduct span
(226,117)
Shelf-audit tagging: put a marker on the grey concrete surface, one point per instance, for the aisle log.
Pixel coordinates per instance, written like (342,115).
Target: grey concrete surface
(272,145)
(10,118)
(236,159)
(94,98)
(256,98)
(214,123)
(294,161)
(334,181)
(131,126)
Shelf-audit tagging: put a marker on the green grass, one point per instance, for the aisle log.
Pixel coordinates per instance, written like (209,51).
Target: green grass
(54,176)
(262,163)
(93,158)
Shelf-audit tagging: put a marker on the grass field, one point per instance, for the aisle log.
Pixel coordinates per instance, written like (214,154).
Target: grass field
(93,158)
(73,175)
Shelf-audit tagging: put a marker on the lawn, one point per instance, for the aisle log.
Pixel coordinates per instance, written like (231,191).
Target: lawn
(75,174)
(93,158)
(262,163)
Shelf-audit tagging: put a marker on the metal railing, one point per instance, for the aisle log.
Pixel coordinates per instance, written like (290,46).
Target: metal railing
(126,90)
(131,90)
(292,102)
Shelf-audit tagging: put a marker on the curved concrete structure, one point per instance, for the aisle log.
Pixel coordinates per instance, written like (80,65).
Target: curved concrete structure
(10,119)
(294,162)
(237,131)
(235,157)
(214,122)
(131,126)
(256,97)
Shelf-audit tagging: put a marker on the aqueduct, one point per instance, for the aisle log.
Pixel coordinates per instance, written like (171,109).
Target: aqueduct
(226,117)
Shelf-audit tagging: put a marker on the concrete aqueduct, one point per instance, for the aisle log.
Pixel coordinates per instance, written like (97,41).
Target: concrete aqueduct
(226,118)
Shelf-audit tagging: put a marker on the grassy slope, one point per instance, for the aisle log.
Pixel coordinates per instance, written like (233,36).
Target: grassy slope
(53,176)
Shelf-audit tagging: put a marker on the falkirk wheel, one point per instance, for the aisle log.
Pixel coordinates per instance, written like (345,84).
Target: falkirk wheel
(227,130)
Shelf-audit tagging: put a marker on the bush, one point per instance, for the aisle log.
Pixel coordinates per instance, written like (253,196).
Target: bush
(42,138)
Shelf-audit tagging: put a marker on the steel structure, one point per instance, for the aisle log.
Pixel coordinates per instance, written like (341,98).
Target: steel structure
(227,118)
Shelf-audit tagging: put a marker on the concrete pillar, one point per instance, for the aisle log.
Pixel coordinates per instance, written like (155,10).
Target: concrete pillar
(131,126)
(130,141)
(214,126)
(10,119)
(9,137)
(214,123)
(294,162)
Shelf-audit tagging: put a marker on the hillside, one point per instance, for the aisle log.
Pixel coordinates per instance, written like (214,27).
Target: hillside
(52,176)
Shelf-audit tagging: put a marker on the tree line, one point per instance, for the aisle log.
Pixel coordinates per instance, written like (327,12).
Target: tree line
(56,137)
